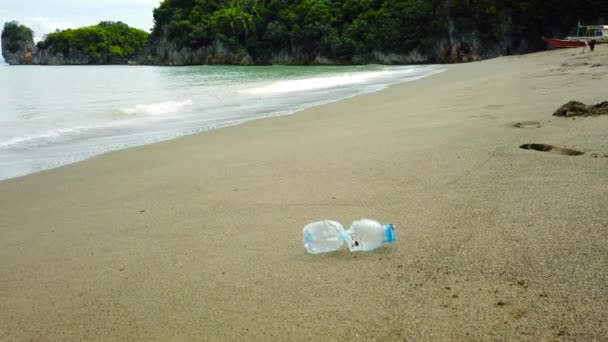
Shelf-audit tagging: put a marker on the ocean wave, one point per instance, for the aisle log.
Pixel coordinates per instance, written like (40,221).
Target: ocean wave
(159,108)
(316,83)
(64,135)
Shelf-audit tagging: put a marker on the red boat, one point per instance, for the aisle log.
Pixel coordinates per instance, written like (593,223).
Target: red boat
(565,43)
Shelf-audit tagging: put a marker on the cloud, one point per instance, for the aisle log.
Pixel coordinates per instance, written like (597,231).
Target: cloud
(45,16)
(42,26)
(109,3)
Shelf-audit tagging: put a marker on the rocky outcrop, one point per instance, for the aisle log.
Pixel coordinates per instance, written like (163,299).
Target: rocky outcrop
(51,57)
(465,48)
(20,52)
(163,52)
(32,55)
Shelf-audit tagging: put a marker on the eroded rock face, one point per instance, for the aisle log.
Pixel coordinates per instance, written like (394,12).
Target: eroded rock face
(164,52)
(51,57)
(22,55)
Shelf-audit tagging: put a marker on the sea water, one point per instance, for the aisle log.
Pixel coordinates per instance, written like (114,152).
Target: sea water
(55,115)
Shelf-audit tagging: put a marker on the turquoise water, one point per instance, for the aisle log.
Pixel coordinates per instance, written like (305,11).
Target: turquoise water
(52,116)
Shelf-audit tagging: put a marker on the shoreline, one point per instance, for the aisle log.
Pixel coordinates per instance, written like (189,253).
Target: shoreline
(235,122)
(199,237)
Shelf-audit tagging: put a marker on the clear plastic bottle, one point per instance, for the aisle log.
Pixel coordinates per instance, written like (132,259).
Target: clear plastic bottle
(366,235)
(324,236)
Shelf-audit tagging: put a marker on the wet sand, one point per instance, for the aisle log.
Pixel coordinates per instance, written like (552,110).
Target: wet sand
(199,238)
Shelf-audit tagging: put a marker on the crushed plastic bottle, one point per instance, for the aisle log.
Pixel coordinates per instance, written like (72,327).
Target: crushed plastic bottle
(366,235)
(324,236)
(363,235)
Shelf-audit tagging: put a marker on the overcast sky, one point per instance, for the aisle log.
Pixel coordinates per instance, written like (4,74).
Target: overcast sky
(44,16)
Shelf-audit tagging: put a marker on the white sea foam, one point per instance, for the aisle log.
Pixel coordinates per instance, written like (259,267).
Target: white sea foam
(315,83)
(47,135)
(46,138)
(159,108)
(63,135)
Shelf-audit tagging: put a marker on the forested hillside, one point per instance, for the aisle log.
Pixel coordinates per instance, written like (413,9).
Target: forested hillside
(106,42)
(351,31)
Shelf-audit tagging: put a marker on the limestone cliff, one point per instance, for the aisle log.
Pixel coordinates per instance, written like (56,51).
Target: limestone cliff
(17,44)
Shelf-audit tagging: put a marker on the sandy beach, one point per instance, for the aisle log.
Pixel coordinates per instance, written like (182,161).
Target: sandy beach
(199,238)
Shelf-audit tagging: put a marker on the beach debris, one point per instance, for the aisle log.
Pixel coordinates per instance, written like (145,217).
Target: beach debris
(552,149)
(363,235)
(576,108)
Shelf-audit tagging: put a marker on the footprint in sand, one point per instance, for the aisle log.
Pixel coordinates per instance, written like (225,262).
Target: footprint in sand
(552,149)
(527,124)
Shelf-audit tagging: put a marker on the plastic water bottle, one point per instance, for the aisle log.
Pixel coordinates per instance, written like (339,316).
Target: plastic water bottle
(324,236)
(366,235)
(363,235)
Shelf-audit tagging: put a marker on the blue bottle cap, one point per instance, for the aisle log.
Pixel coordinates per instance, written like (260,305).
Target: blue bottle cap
(390,233)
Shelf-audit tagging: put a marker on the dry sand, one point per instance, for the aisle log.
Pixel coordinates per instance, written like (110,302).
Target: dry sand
(199,238)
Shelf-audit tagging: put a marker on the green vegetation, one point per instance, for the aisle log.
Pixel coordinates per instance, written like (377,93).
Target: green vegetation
(106,42)
(525,20)
(14,34)
(339,29)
